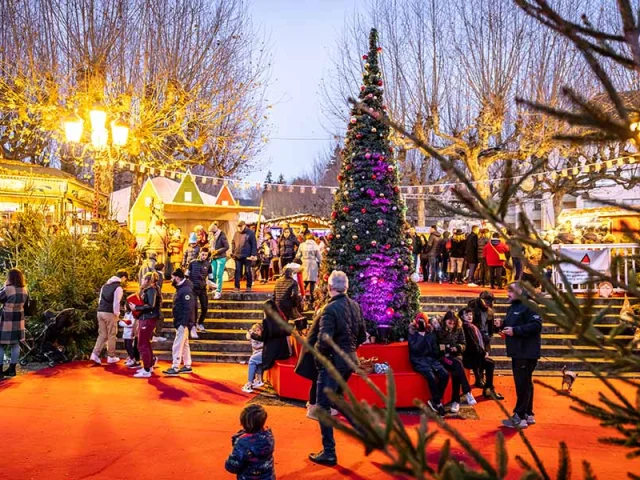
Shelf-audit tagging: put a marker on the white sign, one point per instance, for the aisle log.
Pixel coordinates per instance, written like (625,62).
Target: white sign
(598,260)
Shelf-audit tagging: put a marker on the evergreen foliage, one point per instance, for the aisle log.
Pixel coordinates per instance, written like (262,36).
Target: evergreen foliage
(367,239)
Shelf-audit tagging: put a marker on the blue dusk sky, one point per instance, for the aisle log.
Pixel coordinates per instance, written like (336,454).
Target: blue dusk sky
(303,36)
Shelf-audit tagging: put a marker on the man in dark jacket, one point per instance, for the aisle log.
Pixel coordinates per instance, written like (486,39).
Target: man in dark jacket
(483,239)
(471,254)
(456,256)
(341,320)
(219,247)
(424,355)
(198,272)
(521,328)
(184,318)
(244,250)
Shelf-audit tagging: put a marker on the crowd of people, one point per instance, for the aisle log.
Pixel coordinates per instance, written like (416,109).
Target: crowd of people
(477,258)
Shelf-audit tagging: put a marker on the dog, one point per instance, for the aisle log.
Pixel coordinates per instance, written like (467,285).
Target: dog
(568,377)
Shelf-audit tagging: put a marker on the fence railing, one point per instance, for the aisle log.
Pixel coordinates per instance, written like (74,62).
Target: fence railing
(622,269)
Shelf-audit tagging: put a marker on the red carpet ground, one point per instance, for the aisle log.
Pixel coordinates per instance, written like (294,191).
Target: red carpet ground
(82,422)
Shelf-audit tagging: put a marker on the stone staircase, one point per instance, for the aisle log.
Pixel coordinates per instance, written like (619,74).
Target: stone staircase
(556,353)
(229,318)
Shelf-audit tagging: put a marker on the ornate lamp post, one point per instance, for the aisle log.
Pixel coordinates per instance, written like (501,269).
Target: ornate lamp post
(101,143)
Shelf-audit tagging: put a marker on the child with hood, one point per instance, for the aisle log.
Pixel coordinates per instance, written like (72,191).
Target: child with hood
(253,446)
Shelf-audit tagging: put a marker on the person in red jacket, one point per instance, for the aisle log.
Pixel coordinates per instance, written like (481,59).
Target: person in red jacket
(495,255)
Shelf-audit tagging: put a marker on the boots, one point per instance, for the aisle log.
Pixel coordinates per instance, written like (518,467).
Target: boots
(11,371)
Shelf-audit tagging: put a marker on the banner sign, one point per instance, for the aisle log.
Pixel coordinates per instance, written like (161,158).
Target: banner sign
(598,260)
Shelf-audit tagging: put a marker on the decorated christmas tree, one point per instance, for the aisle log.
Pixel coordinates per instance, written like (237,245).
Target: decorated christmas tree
(368,239)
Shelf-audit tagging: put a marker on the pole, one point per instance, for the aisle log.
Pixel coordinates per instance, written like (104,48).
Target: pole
(259,215)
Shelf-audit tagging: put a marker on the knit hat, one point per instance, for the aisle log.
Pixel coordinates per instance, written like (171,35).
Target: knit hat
(178,273)
(193,238)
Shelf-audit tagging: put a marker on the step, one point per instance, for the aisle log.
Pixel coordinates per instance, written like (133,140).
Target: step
(202,345)
(561,338)
(574,363)
(223,313)
(556,351)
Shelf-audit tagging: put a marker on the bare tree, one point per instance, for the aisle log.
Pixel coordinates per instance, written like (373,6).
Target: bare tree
(188,75)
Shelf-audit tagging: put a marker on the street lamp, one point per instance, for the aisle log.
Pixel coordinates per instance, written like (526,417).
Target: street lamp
(73,125)
(119,132)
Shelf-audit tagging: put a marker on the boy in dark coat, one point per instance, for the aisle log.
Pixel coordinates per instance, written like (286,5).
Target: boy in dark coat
(424,355)
(184,317)
(253,446)
(471,254)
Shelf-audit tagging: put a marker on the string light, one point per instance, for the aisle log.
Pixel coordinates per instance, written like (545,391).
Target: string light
(438,188)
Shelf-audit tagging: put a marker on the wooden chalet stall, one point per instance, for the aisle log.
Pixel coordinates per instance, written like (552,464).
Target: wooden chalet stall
(164,203)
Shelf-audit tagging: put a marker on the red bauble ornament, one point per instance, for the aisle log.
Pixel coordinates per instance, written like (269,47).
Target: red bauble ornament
(389,312)
(330,236)
(396,189)
(373,243)
(363,210)
(326,278)
(362,88)
(365,57)
(387,246)
(379,83)
(390,168)
(345,209)
(339,178)
(348,167)
(351,267)
(373,177)
(358,247)
(334,215)
(358,136)
(379,50)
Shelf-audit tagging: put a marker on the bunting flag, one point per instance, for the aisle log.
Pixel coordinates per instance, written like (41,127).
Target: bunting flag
(430,189)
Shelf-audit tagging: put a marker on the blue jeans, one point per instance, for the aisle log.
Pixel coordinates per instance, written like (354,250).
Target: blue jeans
(437,378)
(255,366)
(15,353)
(243,266)
(217,269)
(325,381)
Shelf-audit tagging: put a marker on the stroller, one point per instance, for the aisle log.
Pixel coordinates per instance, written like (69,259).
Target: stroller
(43,346)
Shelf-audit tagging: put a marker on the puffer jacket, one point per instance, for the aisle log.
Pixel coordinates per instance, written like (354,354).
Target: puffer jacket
(252,456)
(184,305)
(199,271)
(451,338)
(286,295)
(287,246)
(341,320)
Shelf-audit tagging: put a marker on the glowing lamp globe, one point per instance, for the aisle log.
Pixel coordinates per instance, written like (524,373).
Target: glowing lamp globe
(119,132)
(73,126)
(98,118)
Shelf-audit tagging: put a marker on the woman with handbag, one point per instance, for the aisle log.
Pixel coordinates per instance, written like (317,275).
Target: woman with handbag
(495,254)
(13,296)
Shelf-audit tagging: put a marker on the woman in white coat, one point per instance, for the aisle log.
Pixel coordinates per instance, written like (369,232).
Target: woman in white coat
(309,254)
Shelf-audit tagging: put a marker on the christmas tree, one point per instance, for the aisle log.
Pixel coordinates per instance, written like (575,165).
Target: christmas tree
(368,240)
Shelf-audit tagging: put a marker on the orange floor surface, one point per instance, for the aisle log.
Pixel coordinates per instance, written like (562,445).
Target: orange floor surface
(79,421)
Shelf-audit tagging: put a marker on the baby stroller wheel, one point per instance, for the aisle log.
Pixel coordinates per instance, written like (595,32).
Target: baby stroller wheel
(23,362)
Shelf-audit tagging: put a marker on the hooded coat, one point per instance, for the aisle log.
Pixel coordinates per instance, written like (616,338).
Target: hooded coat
(252,456)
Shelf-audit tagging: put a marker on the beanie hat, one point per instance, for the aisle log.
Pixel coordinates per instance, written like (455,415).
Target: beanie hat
(193,238)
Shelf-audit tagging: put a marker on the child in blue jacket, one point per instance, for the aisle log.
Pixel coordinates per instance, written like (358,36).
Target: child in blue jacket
(252,455)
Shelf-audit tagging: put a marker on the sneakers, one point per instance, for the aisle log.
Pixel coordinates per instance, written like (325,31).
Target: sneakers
(471,284)
(439,409)
(95,358)
(515,422)
(469,398)
(217,296)
(135,365)
(455,407)
(531,420)
(129,361)
(141,369)
(158,339)
(248,290)
(143,374)
(247,388)
(171,372)
(194,332)
(185,369)
(323,459)
(200,328)
(257,384)
(155,361)
(112,360)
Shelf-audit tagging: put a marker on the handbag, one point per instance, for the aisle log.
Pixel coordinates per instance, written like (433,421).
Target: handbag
(501,256)
(30,307)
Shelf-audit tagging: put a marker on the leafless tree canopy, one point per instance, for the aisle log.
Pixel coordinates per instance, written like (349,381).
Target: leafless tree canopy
(188,75)
(453,71)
